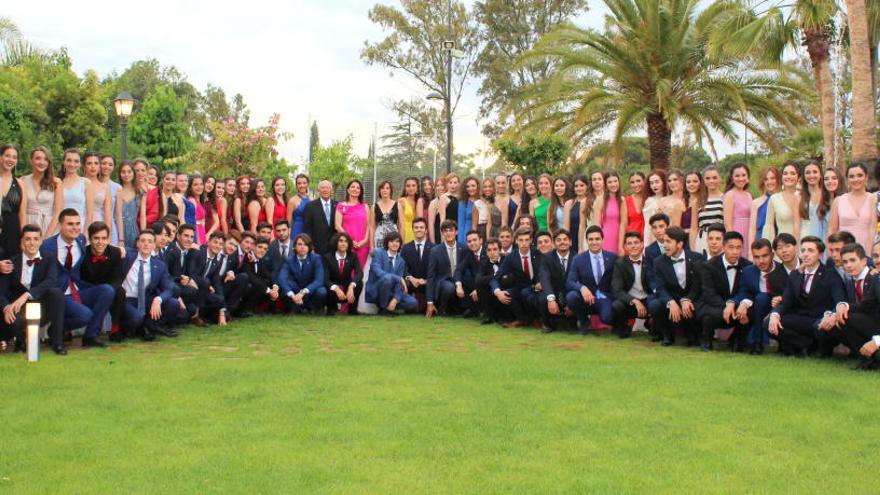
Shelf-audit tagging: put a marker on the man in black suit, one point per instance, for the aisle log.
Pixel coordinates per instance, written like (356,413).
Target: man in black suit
(263,287)
(858,318)
(807,303)
(281,248)
(677,279)
(658,222)
(785,246)
(517,279)
(760,289)
(444,259)
(32,279)
(179,261)
(492,309)
(416,254)
(716,308)
(103,265)
(206,266)
(553,273)
(714,240)
(632,287)
(834,246)
(466,274)
(319,218)
(343,275)
(505,239)
(235,282)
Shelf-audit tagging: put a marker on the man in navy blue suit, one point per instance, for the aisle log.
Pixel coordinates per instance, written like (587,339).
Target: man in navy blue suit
(761,286)
(517,279)
(858,318)
(207,265)
(416,254)
(84,304)
(302,278)
(677,280)
(658,222)
(386,287)
(632,285)
(553,273)
(32,279)
(466,274)
(150,305)
(808,301)
(440,289)
(589,282)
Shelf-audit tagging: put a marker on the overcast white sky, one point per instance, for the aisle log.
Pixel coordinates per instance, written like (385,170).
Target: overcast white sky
(298,58)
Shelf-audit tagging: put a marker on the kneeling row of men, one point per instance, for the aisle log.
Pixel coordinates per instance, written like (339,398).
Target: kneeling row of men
(167,282)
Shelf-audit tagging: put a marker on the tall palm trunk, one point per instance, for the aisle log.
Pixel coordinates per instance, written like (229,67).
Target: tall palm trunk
(659,140)
(864,125)
(818,46)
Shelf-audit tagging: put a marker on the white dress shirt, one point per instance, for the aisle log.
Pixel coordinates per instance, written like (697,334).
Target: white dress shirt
(130,284)
(637,290)
(680,269)
(27,272)
(62,255)
(731,274)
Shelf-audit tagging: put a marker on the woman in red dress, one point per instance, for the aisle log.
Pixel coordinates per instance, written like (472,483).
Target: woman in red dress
(276,205)
(635,220)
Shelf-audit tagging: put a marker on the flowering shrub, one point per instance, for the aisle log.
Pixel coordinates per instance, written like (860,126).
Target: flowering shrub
(237,149)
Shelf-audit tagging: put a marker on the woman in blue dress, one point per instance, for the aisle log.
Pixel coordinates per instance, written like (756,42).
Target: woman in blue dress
(296,205)
(769,183)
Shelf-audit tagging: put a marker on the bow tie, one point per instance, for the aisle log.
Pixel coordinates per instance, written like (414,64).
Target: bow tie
(32,262)
(733,267)
(679,260)
(99,259)
(636,262)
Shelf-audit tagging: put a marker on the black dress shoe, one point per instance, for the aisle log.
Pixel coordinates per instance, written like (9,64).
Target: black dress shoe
(91,342)
(546,329)
(666,342)
(147,336)
(168,332)
(487,321)
(656,337)
(117,337)
(60,350)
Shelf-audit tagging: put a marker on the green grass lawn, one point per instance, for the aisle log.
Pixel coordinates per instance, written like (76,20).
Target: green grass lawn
(403,405)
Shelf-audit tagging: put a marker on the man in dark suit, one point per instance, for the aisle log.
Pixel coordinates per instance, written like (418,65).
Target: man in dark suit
(235,282)
(416,254)
(440,289)
(32,279)
(319,218)
(785,247)
(466,274)
(632,287)
(344,277)
(553,274)
(677,280)
(263,288)
(807,302)
(282,247)
(150,305)
(179,260)
(658,222)
(834,246)
(858,318)
(103,265)
(716,307)
(491,308)
(589,282)
(515,283)
(85,305)
(386,287)
(302,278)
(206,266)
(760,288)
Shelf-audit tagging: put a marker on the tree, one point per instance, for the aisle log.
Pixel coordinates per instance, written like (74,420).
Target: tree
(160,128)
(864,104)
(236,149)
(314,140)
(534,154)
(414,44)
(651,68)
(509,29)
(337,163)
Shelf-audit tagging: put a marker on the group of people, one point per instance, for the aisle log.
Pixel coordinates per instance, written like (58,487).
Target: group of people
(681,252)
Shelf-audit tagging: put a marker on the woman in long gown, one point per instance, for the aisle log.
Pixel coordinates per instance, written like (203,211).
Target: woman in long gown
(540,204)
(677,201)
(101,197)
(856,211)
(486,210)
(256,206)
(108,165)
(768,183)
(613,211)
(385,217)
(711,211)
(241,221)
(195,194)
(13,203)
(407,208)
(814,202)
(45,194)
(276,205)
(447,207)
(353,218)
(656,192)
(78,191)
(783,212)
(635,202)
(738,204)
(501,200)
(581,187)
(296,205)
(518,198)
(434,209)
(426,195)
(560,204)
(128,201)
(467,214)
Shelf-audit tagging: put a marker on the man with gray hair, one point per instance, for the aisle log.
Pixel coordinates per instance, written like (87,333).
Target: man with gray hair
(319,218)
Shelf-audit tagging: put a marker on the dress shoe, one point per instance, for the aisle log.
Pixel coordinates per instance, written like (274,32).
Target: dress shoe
(198,322)
(656,337)
(168,332)
(757,350)
(147,336)
(60,350)
(623,333)
(91,342)
(583,328)
(487,321)
(515,324)
(469,313)
(666,342)
(546,329)
(117,337)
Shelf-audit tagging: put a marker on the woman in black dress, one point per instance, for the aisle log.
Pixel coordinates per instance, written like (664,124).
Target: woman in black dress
(13,204)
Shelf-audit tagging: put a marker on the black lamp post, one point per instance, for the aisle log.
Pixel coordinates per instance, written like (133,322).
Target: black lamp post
(124,104)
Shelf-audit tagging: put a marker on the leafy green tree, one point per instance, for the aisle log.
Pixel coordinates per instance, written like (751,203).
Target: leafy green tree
(651,69)
(160,127)
(337,163)
(534,154)
(314,140)
(236,149)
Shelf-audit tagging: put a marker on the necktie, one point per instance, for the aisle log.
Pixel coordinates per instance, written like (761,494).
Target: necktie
(240,260)
(807,278)
(391,260)
(142,296)
(859,289)
(477,258)
(182,258)
(327,211)
(284,250)
(68,265)
(210,265)
(526,268)
(419,250)
(680,260)
(300,264)
(451,253)
(767,283)
(597,269)
(341,264)
(564,264)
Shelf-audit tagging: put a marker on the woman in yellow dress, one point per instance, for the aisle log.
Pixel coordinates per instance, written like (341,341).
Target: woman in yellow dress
(406,205)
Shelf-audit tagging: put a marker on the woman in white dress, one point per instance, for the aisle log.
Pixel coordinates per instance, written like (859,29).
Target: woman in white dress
(101,196)
(44,192)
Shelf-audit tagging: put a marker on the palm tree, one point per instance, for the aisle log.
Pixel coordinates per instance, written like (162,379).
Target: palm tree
(652,68)
(864,119)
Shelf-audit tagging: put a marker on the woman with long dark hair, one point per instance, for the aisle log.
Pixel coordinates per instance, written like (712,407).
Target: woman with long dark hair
(78,191)
(738,204)
(44,192)
(638,194)
(613,214)
(407,208)
(256,210)
(297,204)
(354,218)
(13,203)
(276,205)
(855,211)
(783,212)
(656,192)
(815,202)
(240,202)
(467,214)
(385,213)
(539,207)
(128,201)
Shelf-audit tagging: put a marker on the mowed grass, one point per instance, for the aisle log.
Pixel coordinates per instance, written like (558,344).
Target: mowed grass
(405,405)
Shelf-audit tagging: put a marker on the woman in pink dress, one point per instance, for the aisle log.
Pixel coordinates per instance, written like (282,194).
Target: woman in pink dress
(195,194)
(353,218)
(611,224)
(738,204)
(856,211)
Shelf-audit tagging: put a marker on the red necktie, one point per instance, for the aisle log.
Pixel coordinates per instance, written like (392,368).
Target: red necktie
(859,284)
(807,278)
(341,265)
(526,269)
(767,283)
(68,265)
(35,261)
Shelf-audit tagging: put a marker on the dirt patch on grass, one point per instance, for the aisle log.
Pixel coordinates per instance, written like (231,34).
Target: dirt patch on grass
(224,348)
(568,346)
(291,350)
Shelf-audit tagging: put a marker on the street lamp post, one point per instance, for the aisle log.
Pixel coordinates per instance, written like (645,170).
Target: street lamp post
(123,104)
(449,46)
